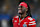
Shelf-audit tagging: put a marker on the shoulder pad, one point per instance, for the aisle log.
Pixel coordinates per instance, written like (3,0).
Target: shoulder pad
(16,16)
(29,18)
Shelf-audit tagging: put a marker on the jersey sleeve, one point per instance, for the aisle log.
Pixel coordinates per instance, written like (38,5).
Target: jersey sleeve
(32,23)
(14,20)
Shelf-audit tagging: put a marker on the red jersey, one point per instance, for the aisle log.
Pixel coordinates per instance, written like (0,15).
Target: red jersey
(25,22)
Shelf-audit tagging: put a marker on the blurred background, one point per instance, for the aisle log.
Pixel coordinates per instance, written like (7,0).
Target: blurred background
(8,9)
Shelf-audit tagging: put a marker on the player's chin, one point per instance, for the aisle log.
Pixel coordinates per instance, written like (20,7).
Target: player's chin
(20,13)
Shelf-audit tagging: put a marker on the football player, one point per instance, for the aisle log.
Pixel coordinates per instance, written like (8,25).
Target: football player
(24,18)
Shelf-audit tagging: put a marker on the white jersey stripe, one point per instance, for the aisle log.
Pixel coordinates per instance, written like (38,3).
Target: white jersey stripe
(15,21)
(32,24)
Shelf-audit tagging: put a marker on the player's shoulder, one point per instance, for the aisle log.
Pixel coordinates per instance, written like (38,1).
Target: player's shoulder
(16,17)
(30,18)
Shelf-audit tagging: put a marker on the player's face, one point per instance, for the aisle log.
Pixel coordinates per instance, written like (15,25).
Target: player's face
(21,10)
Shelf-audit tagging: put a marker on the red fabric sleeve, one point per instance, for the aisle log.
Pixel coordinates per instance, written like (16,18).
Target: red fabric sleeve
(32,23)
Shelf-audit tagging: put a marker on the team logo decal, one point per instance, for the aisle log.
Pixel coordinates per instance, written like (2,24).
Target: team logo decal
(24,25)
